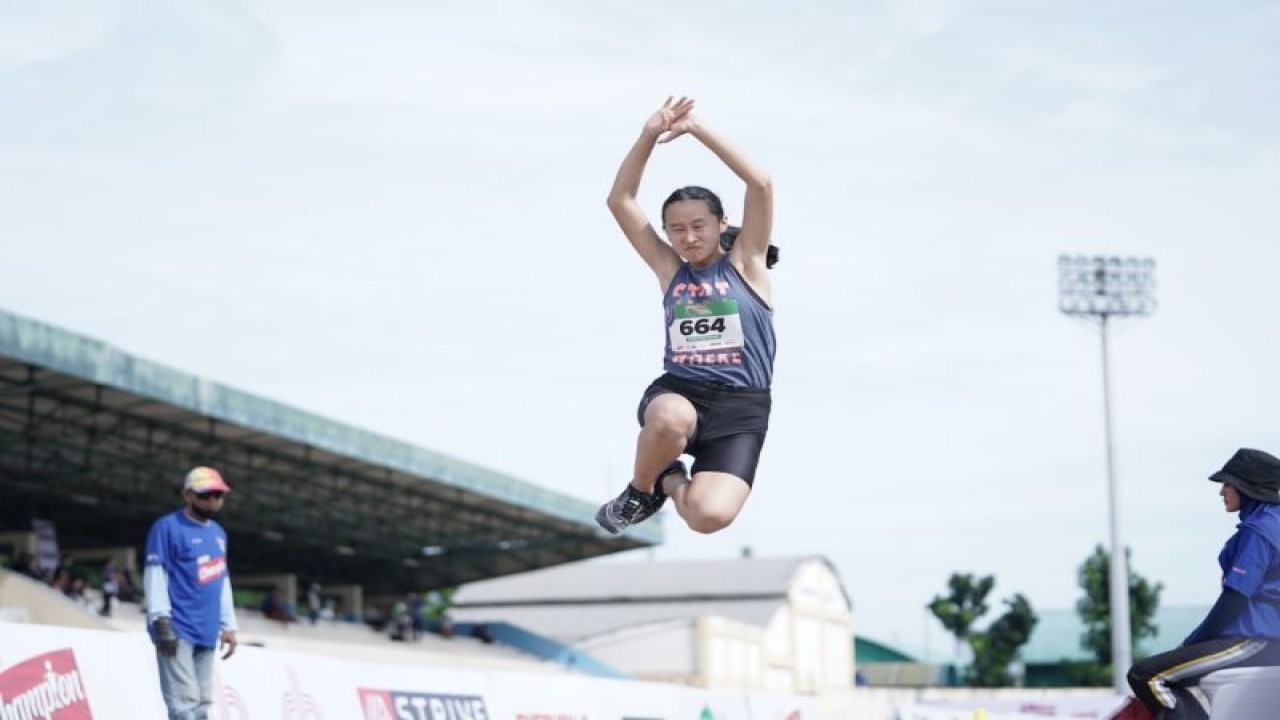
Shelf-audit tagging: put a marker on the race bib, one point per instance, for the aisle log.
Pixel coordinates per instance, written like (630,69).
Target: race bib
(699,327)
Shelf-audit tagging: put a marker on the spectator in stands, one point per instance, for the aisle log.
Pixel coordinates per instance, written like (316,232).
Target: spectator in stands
(376,619)
(110,586)
(75,590)
(482,633)
(61,579)
(274,608)
(418,614)
(25,564)
(1242,629)
(445,628)
(129,591)
(401,621)
(314,602)
(189,607)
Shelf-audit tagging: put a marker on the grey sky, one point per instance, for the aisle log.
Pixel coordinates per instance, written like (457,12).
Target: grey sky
(392,214)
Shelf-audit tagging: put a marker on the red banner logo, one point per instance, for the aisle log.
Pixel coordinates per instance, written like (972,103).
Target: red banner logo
(45,687)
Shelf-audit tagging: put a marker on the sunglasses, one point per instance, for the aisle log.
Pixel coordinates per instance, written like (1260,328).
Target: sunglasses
(211,495)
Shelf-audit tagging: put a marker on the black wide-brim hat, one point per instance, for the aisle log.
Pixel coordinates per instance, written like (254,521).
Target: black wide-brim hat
(1254,473)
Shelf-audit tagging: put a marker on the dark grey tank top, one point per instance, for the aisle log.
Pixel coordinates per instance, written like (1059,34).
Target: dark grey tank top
(718,329)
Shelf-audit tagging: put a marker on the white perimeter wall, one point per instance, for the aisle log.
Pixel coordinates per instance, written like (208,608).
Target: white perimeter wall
(57,673)
(51,672)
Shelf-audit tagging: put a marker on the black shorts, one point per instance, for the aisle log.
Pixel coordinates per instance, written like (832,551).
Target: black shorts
(732,423)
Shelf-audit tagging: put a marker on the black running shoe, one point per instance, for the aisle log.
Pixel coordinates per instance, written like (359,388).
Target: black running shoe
(632,506)
(629,508)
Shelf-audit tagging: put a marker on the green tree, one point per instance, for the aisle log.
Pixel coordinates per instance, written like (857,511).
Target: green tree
(1095,611)
(436,603)
(965,602)
(995,648)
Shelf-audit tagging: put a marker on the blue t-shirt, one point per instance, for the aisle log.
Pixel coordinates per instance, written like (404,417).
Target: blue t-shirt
(194,557)
(1250,563)
(718,329)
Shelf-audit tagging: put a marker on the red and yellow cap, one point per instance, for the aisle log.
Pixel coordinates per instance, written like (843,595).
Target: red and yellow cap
(205,479)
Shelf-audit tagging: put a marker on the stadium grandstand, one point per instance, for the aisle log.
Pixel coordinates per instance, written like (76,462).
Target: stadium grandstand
(94,443)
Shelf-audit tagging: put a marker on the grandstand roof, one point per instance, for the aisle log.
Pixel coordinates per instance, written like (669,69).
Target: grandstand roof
(97,441)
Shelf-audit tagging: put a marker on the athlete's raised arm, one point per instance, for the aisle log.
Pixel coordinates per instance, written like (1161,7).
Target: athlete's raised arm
(658,255)
(752,245)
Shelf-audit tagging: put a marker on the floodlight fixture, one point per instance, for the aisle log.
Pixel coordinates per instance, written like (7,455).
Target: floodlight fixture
(1106,286)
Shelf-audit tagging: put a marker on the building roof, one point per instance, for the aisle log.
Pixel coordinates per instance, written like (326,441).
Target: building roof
(866,650)
(578,623)
(98,440)
(583,599)
(738,578)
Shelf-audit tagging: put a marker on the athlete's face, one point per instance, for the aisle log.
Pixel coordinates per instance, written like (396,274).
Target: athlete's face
(204,505)
(693,231)
(1230,498)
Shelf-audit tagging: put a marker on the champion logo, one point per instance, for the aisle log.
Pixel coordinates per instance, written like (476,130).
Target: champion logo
(45,687)
(211,569)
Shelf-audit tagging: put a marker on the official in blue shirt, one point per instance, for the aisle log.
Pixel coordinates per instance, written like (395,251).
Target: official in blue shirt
(189,607)
(1243,627)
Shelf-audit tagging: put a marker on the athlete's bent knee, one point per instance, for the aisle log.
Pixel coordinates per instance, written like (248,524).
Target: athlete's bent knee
(710,522)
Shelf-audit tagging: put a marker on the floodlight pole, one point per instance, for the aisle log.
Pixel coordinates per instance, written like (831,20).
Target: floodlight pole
(1098,288)
(1121,633)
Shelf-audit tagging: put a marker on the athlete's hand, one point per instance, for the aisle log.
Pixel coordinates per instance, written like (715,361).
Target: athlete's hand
(663,122)
(681,126)
(165,639)
(229,642)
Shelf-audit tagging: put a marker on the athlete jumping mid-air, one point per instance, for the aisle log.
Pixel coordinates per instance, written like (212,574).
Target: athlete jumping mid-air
(713,400)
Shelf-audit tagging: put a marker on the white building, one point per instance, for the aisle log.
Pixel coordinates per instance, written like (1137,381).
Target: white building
(773,624)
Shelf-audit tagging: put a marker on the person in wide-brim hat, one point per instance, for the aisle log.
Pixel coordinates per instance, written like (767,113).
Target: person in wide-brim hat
(1243,627)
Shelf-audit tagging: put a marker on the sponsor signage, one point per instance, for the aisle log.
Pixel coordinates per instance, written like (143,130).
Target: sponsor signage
(402,705)
(44,687)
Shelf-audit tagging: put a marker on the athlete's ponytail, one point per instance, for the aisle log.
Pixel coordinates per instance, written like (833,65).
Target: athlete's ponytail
(730,235)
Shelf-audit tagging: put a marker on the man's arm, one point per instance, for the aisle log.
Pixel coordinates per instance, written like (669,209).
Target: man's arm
(227,609)
(155,582)
(155,578)
(227,612)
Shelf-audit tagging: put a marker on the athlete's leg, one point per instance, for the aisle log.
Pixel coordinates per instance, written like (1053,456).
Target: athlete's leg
(710,501)
(669,422)
(1163,682)
(722,477)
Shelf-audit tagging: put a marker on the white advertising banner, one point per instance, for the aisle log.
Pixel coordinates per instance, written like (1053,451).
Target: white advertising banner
(529,696)
(260,683)
(1097,707)
(782,707)
(53,673)
(56,673)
